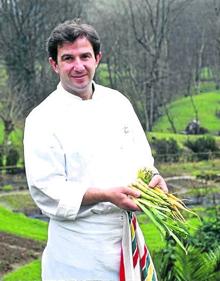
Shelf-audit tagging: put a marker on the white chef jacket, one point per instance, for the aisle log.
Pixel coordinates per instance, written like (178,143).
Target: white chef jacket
(70,145)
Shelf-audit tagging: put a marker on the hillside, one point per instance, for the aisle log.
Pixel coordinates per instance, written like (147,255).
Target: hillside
(182,112)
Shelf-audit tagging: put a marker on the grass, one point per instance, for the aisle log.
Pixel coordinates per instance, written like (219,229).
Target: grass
(17,201)
(152,235)
(189,168)
(182,113)
(18,224)
(29,272)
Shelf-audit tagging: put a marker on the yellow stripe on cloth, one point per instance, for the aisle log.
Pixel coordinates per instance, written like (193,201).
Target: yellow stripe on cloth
(150,272)
(132,231)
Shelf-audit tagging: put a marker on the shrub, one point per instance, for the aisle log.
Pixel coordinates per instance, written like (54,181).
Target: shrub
(217,113)
(208,236)
(202,146)
(7,188)
(1,156)
(12,160)
(207,175)
(166,150)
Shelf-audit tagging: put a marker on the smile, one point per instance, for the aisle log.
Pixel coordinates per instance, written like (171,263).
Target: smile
(79,76)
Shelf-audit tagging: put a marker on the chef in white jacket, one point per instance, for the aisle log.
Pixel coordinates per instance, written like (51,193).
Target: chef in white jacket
(83,146)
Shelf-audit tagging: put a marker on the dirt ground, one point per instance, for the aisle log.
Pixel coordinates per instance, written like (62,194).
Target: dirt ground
(15,251)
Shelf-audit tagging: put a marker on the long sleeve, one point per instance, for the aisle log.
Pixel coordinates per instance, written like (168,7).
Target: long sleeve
(45,161)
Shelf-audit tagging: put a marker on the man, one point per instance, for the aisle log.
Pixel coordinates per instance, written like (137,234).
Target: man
(83,146)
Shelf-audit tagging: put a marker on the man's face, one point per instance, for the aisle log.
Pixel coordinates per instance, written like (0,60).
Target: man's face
(76,65)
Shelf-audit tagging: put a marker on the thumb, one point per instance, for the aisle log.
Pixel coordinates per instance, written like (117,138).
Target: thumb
(154,181)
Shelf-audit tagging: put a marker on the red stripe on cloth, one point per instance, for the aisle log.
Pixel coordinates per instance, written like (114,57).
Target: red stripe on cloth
(122,268)
(135,257)
(143,258)
(134,222)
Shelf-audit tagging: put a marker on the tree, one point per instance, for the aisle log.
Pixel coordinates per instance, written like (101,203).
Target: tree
(10,112)
(24,27)
(151,22)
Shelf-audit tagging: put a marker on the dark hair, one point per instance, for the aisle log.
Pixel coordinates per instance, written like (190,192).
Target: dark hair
(69,31)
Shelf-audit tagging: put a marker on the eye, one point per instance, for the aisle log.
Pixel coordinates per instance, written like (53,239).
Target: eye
(86,56)
(67,58)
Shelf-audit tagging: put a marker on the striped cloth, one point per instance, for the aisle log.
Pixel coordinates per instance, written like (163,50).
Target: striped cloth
(136,263)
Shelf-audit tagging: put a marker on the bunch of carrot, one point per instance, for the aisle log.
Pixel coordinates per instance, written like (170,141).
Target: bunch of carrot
(164,209)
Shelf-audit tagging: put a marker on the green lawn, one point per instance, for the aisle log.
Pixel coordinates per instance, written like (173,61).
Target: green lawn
(189,168)
(20,225)
(182,112)
(153,238)
(29,272)
(17,201)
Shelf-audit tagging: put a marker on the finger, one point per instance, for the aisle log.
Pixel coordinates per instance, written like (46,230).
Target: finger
(132,206)
(155,181)
(163,186)
(133,192)
(159,182)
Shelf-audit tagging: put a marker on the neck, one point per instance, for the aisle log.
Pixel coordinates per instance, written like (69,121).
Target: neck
(84,94)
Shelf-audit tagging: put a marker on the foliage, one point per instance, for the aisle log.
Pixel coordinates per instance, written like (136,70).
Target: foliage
(30,272)
(15,139)
(180,138)
(7,187)
(206,74)
(153,237)
(102,75)
(207,86)
(166,150)
(183,113)
(208,175)
(208,235)
(202,146)
(22,226)
(1,156)
(12,159)
(175,265)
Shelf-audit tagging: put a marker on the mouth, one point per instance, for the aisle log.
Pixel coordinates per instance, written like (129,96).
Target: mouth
(79,76)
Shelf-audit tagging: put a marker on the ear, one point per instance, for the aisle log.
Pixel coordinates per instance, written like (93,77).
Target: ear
(53,65)
(98,58)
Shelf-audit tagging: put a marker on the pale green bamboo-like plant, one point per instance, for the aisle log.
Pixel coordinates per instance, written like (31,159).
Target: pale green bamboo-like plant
(163,209)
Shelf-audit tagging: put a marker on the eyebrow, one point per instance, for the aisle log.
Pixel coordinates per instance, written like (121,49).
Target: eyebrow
(66,55)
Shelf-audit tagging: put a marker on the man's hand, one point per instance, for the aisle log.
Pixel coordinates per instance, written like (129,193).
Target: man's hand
(120,196)
(159,181)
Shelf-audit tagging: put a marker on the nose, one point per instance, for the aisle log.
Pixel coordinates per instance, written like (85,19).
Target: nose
(78,65)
